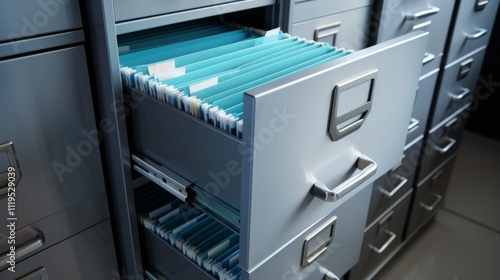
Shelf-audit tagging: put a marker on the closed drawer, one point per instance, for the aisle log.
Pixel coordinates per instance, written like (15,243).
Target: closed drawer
(457,85)
(422,106)
(344,30)
(272,162)
(443,142)
(31,18)
(429,196)
(306,10)
(43,234)
(394,184)
(473,27)
(49,135)
(87,255)
(382,238)
(399,17)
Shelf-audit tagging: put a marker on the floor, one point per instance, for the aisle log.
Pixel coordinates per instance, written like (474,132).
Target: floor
(463,242)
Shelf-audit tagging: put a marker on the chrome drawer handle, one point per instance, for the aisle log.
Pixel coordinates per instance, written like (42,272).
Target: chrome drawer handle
(425,13)
(402,182)
(413,124)
(465,92)
(380,250)
(367,166)
(33,240)
(444,150)
(428,57)
(481,4)
(432,207)
(480,33)
(8,147)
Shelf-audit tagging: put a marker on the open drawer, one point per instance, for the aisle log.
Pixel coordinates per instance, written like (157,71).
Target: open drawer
(311,141)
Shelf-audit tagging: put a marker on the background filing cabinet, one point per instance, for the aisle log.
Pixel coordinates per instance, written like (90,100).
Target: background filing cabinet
(49,142)
(299,216)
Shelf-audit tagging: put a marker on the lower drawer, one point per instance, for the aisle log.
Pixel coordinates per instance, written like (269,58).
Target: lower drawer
(394,184)
(87,255)
(382,238)
(429,196)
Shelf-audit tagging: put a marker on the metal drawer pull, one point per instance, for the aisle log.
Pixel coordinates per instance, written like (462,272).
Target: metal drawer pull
(481,4)
(413,124)
(431,208)
(8,147)
(428,57)
(367,166)
(380,250)
(402,182)
(327,30)
(462,95)
(39,274)
(480,33)
(425,13)
(328,274)
(444,150)
(28,240)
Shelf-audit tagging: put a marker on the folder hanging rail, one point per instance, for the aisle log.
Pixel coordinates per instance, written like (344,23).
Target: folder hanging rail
(187,191)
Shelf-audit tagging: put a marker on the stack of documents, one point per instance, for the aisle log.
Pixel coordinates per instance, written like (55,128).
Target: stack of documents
(206,72)
(201,238)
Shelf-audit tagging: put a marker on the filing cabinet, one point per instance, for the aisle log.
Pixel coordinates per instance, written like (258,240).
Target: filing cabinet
(53,197)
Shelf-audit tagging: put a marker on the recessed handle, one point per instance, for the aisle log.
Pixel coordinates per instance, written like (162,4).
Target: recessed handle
(432,207)
(428,57)
(413,124)
(11,176)
(478,34)
(380,250)
(481,4)
(422,14)
(402,182)
(327,30)
(464,93)
(28,240)
(367,167)
(445,149)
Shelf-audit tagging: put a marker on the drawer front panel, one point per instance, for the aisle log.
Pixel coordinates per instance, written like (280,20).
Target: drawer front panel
(442,143)
(340,256)
(394,184)
(457,86)
(429,196)
(473,28)
(32,18)
(382,238)
(422,106)
(300,153)
(87,255)
(306,10)
(51,125)
(344,30)
(399,17)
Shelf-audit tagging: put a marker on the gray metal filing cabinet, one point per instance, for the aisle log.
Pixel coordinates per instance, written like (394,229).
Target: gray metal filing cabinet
(299,204)
(446,92)
(52,186)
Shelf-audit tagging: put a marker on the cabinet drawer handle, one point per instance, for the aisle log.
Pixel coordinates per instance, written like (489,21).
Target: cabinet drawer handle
(445,149)
(428,57)
(31,241)
(327,30)
(413,124)
(481,4)
(402,182)
(425,13)
(367,166)
(8,147)
(465,92)
(480,33)
(431,208)
(380,250)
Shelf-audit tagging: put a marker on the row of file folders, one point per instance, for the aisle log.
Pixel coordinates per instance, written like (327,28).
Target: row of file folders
(205,68)
(201,238)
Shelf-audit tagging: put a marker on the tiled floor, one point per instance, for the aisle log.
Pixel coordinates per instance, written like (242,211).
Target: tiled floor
(463,242)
